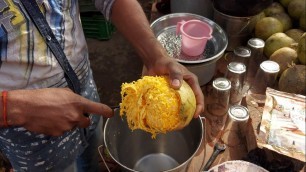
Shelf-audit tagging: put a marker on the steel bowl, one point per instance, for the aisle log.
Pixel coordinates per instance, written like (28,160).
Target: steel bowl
(203,66)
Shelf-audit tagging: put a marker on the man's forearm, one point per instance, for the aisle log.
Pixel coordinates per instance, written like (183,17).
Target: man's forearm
(130,20)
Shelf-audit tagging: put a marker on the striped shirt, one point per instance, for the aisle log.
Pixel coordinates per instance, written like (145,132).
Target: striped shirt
(27,63)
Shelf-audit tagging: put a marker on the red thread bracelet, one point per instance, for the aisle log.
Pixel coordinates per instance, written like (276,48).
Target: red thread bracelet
(4,112)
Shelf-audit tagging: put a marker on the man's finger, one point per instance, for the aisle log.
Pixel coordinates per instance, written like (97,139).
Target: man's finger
(97,108)
(176,76)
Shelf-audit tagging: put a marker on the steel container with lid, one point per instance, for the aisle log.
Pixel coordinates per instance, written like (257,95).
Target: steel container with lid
(239,116)
(242,54)
(236,67)
(236,74)
(265,77)
(242,51)
(270,67)
(238,113)
(218,98)
(217,104)
(256,45)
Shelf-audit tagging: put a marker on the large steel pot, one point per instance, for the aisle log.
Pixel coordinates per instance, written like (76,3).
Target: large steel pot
(203,67)
(241,8)
(199,7)
(238,29)
(137,151)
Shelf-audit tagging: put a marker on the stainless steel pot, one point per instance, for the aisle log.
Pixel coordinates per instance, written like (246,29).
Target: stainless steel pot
(200,7)
(241,8)
(137,151)
(238,29)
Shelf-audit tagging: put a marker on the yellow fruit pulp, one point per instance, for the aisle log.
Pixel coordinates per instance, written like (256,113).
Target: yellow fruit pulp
(152,105)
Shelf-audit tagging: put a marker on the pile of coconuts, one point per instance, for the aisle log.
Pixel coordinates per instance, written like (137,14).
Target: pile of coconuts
(282,27)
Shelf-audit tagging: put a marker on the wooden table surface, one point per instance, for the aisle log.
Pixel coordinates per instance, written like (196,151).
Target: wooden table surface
(240,139)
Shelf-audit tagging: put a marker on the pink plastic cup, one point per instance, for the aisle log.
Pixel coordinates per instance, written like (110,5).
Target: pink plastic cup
(195,34)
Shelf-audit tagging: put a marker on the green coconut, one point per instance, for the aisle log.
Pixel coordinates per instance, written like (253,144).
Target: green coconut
(267,26)
(295,8)
(295,34)
(274,8)
(284,2)
(302,21)
(293,80)
(277,41)
(301,50)
(285,57)
(285,19)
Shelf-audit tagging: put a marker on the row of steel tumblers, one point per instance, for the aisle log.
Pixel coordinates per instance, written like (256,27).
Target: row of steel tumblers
(224,99)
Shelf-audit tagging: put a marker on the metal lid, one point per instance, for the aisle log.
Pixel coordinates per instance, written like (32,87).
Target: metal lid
(238,113)
(222,84)
(242,51)
(270,66)
(236,67)
(256,43)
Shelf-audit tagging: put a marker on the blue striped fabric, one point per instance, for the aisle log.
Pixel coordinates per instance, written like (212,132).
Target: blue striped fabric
(27,63)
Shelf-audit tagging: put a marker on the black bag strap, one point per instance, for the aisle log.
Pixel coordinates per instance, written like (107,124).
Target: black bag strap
(46,32)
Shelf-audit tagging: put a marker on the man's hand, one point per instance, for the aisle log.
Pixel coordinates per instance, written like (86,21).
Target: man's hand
(130,20)
(51,111)
(177,73)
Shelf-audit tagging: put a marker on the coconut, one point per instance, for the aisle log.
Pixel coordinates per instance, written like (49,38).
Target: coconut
(295,8)
(188,104)
(261,15)
(152,105)
(295,34)
(285,57)
(274,8)
(277,41)
(293,80)
(302,21)
(267,26)
(284,2)
(284,18)
(301,50)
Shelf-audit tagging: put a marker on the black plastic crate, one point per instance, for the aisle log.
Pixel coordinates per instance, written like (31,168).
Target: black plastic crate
(87,6)
(96,26)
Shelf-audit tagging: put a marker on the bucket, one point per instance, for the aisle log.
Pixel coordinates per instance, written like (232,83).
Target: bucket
(238,29)
(137,151)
